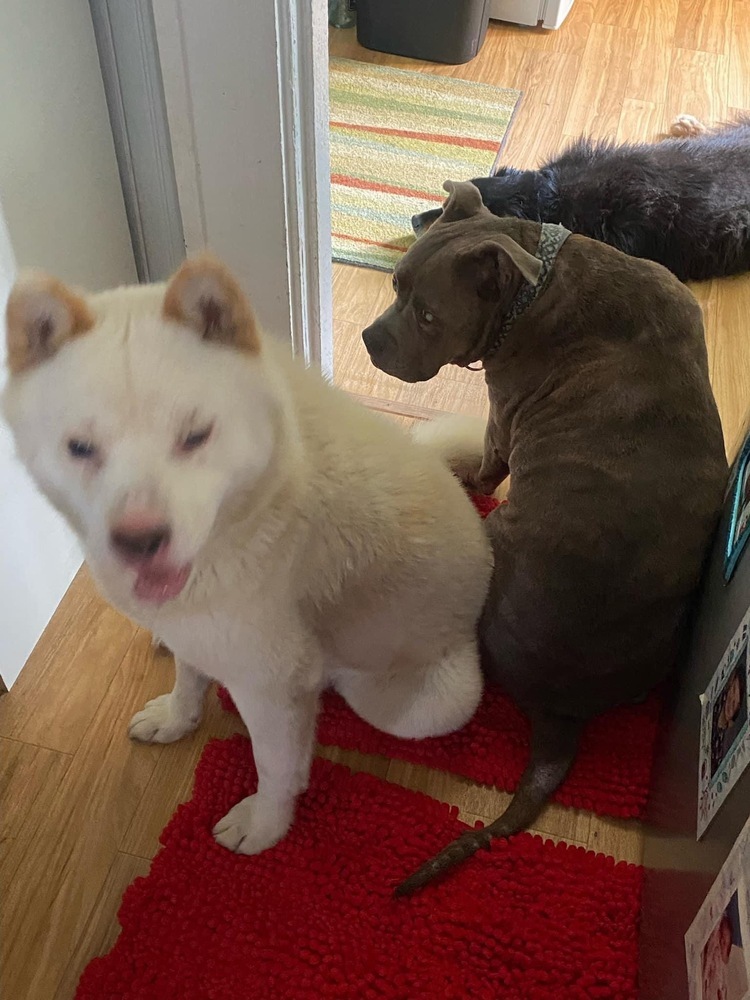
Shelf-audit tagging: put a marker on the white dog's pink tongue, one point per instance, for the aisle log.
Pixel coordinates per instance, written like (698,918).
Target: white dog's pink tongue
(160,583)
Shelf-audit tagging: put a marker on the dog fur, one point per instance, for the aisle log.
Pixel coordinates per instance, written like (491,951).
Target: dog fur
(278,537)
(684,203)
(602,412)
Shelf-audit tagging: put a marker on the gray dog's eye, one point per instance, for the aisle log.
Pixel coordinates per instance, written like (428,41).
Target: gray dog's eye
(426,316)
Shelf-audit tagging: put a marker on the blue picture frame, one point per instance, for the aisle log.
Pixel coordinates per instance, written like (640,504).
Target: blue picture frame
(738,531)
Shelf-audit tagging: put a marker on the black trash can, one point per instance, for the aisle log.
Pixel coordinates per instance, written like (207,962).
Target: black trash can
(446,31)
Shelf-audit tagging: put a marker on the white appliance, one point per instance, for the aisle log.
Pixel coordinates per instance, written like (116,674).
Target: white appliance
(548,13)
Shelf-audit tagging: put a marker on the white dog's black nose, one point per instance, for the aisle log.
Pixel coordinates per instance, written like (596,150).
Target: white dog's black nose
(139,544)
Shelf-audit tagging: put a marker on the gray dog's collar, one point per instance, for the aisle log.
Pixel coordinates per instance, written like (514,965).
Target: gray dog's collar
(551,239)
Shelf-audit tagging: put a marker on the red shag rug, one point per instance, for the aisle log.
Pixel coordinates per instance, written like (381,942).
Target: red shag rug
(314,916)
(611,774)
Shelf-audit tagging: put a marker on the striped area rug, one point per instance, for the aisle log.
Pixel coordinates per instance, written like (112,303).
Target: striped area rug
(395,137)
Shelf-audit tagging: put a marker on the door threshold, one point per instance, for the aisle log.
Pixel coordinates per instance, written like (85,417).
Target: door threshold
(397,407)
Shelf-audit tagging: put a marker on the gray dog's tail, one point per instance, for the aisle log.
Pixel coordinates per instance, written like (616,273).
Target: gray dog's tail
(553,749)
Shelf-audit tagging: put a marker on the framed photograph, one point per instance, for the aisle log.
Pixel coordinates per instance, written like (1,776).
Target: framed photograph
(725,731)
(739,522)
(717,944)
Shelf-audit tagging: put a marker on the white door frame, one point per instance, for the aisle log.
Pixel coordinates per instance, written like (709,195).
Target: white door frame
(129,61)
(246,92)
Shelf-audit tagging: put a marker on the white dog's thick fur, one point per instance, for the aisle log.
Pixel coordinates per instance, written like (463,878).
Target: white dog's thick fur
(275,535)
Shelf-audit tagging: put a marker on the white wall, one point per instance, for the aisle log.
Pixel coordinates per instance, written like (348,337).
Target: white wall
(39,554)
(59,184)
(63,211)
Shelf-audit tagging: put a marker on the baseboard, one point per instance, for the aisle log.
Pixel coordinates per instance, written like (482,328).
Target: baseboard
(397,408)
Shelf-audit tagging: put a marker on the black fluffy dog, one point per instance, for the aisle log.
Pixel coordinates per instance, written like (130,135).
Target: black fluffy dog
(684,203)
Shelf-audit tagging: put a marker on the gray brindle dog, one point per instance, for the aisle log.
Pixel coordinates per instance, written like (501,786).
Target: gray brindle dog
(602,412)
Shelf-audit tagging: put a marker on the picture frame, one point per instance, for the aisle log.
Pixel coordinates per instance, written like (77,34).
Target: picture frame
(738,531)
(717,943)
(724,750)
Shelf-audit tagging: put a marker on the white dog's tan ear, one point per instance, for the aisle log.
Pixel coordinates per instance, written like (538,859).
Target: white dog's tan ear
(42,314)
(204,296)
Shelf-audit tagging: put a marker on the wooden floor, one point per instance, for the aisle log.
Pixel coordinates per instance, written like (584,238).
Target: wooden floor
(618,68)
(82,807)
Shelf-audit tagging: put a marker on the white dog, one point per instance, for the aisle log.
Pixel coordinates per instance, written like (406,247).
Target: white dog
(278,537)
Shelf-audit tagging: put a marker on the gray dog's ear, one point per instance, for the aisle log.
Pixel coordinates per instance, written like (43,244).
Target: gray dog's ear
(529,266)
(464,201)
(487,263)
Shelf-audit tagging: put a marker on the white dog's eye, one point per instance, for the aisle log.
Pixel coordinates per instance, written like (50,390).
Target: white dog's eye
(426,316)
(81,449)
(196,439)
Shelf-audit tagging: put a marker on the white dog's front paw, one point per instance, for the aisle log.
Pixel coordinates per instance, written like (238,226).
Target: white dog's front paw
(253,825)
(159,723)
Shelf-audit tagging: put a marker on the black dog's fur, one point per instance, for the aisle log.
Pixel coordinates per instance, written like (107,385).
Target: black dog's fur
(684,203)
